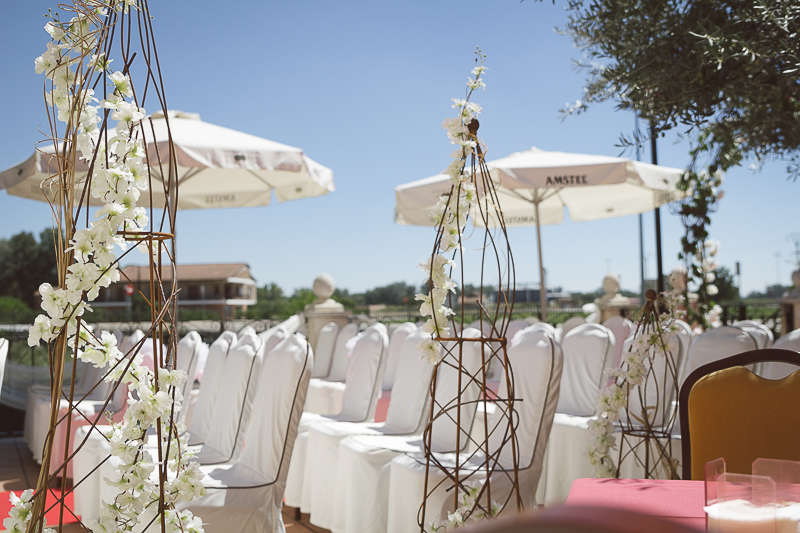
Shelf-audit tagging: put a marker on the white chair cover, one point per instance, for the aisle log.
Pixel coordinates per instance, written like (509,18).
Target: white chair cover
(395,347)
(188,355)
(759,331)
(95,447)
(790,341)
(656,395)
(340,360)
(484,326)
(716,344)
(39,405)
(543,326)
(532,320)
(247,330)
(234,403)
(325,395)
(290,325)
(362,389)
(232,412)
(323,354)
(570,324)
(3,355)
(588,349)
(245,495)
(514,327)
(621,328)
(362,490)
(537,362)
(404,417)
(209,387)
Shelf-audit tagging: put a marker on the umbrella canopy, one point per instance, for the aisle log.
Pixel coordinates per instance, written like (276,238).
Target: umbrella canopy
(534,187)
(217,167)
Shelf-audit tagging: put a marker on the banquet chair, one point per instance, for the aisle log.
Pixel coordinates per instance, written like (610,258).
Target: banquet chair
(246,330)
(774,370)
(358,403)
(621,328)
(545,327)
(93,444)
(761,333)
(234,401)
(406,416)
(396,340)
(94,394)
(531,320)
(588,350)
(514,327)
(210,387)
(245,495)
(716,344)
(536,361)
(664,399)
(340,359)
(90,386)
(484,326)
(727,411)
(362,488)
(232,412)
(323,352)
(3,355)
(290,326)
(325,394)
(91,412)
(568,326)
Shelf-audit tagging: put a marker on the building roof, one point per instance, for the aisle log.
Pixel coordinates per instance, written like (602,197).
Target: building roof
(210,272)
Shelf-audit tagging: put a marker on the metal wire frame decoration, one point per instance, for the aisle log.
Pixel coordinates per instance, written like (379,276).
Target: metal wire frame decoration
(127,33)
(651,414)
(469,472)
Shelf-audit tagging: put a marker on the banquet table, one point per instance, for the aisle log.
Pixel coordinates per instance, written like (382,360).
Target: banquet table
(679,501)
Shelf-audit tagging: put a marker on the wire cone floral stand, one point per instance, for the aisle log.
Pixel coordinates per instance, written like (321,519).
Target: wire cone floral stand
(100,155)
(641,400)
(469,472)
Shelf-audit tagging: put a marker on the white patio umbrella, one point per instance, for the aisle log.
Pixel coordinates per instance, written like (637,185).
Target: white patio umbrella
(535,186)
(217,167)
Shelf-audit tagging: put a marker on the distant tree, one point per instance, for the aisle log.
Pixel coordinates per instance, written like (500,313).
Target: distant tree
(725,281)
(343,296)
(398,293)
(300,299)
(772,291)
(15,310)
(26,263)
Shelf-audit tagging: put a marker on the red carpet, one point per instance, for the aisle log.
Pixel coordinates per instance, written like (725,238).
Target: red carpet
(52,515)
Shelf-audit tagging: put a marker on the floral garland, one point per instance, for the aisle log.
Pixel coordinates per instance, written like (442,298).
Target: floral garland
(450,215)
(456,518)
(695,213)
(119,177)
(633,371)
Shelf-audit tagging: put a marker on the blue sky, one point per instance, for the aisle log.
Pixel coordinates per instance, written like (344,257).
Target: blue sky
(362,87)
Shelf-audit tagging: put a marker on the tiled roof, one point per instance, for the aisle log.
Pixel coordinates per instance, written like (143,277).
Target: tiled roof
(211,272)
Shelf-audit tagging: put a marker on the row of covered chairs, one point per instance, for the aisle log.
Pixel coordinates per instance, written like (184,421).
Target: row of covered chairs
(222,414)
(366,476)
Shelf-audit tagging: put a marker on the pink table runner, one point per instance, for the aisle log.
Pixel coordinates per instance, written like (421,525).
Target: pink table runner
(680,501)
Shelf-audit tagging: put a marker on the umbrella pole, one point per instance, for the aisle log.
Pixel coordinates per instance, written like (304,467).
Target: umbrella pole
(542,289)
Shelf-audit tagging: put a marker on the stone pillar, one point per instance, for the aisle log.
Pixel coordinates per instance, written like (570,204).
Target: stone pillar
(324,309)
(612,303)
(790,306)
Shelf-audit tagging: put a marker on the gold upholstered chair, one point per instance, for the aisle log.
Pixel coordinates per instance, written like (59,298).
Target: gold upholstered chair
(727,411)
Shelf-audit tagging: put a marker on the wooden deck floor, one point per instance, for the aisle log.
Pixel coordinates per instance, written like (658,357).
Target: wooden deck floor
(18,471)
